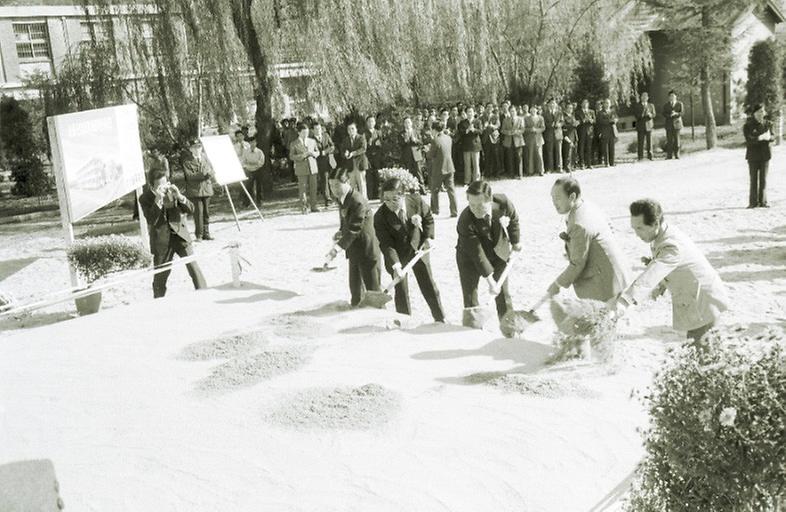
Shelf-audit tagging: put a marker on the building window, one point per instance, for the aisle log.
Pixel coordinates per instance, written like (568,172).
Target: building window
(98,31)
(32,41)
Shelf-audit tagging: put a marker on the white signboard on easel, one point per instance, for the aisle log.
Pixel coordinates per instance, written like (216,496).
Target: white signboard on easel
(97,158)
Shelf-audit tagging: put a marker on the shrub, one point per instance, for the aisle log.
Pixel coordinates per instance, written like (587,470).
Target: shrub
(661,143)
(21,150)
(764,76)
(29,177)
(95,258)
(410,182)
(633,147)
(717,441)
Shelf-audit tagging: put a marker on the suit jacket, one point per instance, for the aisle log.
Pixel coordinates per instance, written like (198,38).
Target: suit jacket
(597,268)
(757,150)
(411,152)
(360,161)
(673,122)
(645,115)
(325,145)
(534,126)
(199,175)
(606,121)
(441,155)
(373,147)
(512,132)
(698,296)
(470,142)
(301,154)
(398,241)
(553,122)
(586,122)
(570,127)
(479,244)
(357,228)
(164,223)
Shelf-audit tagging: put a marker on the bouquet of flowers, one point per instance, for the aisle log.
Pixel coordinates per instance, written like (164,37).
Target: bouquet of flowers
(410,182)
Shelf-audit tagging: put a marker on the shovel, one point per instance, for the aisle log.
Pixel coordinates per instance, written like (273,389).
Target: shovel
(378,300)
(325,267)
(516,322)
(476,316)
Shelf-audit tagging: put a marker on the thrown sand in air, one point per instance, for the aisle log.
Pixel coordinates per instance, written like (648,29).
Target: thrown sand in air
(252,369)
(225,347)
(361,408)
(531,385)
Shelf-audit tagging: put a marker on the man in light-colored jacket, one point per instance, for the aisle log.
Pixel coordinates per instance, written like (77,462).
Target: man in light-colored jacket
(597,269)
(698,295)
(303,152)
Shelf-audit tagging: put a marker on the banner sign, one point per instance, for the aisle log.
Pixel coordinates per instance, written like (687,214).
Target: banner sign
(223,159)
(101,157)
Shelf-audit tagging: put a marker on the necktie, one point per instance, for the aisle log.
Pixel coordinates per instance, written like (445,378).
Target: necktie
(402,215)
(487,218)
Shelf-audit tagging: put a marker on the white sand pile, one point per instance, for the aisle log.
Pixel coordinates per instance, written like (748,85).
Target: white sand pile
(297,327)
(541,386)
(252,369)
(360,408)
(224,347)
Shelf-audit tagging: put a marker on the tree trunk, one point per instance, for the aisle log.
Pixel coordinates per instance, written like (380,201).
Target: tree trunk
(709,115)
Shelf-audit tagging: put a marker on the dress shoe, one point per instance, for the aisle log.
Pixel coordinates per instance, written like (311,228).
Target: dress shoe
(207,236)
(765,205)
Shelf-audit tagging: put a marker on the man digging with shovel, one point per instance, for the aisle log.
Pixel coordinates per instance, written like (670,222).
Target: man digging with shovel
(488,230)
(405,230)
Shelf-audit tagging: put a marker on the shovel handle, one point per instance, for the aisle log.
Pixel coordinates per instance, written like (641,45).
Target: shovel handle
(504,275)
(404,271)
(540,302)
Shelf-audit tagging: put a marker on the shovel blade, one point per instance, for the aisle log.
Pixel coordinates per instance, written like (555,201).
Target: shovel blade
(374,299)
(476,317)
(323,268)
(514,323)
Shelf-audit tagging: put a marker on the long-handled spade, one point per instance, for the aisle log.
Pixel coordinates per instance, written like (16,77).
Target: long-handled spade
(325,267)
(477,316)
(516,322)
(378,300)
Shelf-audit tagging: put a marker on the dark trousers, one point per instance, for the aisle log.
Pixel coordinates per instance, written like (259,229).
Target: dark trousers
(254,187)
(607,150)
(758,183)
(568,155)
(372,183)
(585,149)
(492,161)
(644,139)
(551,153)
(697,334)
(672,143)
(422,272)
(513,163)
(182,248)
(362,273)
(322,184)
(437,179)
(470,278)
(201,216)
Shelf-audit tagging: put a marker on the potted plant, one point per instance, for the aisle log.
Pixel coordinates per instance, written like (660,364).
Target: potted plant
(97,257)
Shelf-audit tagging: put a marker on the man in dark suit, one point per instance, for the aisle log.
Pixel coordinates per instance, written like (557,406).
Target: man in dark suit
(569,137)
(412,152)
(469,130)
(672,111)
(607,126)
(164,207)
(199,187)
(758,137)
(355,159)
(374,155)
(552,137)
(356,236)
(488,230)
(644,112)
(442,169)
(586,118)
(403,225)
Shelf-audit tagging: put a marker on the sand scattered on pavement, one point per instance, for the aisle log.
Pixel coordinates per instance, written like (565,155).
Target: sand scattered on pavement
(224,347)
(360,408)
(533,385)
(252,369)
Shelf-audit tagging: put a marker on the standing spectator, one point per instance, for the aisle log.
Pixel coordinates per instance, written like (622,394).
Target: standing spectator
(411,151)
(758,137)
(672,111)
(199,187)
(374,154)
(586,118)
(254,163)
(513,142)
(355,158)
(644,112)
(326,162)
(165,209)
(607,126)
(444,117)
(552,149)
(597,151)
(288,135)
(303,152)
(356,236)
(492,165)
(535,126)
(569,138)
(470,130)
(453,119)
(442,170)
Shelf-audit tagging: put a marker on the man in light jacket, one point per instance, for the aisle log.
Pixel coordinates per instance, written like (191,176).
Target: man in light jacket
(303,152)
(597,268)
(698,295)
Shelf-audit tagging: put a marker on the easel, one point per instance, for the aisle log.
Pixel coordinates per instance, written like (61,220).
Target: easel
(232,203)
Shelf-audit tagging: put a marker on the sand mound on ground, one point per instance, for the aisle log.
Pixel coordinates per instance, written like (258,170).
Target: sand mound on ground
(360,408)
(252,369)
(540,386)
(224,347)
(297,327)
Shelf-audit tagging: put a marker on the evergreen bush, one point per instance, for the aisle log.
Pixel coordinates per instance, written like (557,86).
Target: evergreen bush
(96,257)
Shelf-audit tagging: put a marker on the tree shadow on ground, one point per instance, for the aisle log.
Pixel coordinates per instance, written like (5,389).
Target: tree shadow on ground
(36,319)
(769,256)
(267,293)
(311,228)
(11,267)
(329,309)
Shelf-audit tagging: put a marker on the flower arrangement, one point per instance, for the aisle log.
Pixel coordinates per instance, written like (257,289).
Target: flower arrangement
(96,257)
(716,439)
(410,182)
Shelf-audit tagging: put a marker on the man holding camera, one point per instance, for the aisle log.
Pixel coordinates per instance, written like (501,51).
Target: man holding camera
(758,137)
(165,209)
